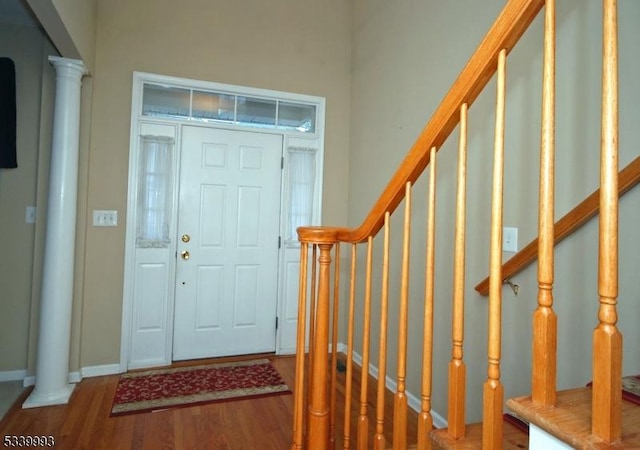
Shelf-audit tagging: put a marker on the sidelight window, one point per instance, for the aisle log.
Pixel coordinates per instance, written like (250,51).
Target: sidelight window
(154,191)
(302,179)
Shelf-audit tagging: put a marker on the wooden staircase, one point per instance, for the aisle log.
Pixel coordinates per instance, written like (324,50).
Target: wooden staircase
(513,438)
(582,418)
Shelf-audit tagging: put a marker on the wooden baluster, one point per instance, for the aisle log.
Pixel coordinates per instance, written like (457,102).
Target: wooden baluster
(312,312)
(607,339)
(334,349)
(543,377)
(400,398)
(378,440)
(346,444)
(425,420)
(493,396)
(318,431)
(363,421)
(298,407)
(457,367)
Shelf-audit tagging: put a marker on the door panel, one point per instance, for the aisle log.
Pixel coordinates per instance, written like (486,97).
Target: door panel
(229,207)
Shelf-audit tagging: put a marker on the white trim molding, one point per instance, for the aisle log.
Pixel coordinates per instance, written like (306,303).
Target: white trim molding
(12,375)
(74,377)
(100,371)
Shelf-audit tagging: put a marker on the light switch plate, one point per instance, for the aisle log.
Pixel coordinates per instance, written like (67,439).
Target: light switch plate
(105,218)
(30,214)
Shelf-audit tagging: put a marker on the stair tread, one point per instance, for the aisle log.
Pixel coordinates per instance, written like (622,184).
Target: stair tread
(570,419)
(513,438)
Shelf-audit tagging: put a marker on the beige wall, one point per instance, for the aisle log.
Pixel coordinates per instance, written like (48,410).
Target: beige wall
(405,57)
(22,187)
(295,46)
(79,19)
(70,25)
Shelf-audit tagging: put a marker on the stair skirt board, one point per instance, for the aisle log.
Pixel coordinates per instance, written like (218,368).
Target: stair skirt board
(540,439)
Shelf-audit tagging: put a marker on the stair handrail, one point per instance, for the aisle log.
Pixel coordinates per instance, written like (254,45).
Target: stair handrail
(510,25)
(629,177)
(512,22)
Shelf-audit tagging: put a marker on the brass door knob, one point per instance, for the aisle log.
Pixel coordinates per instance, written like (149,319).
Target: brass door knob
(185,255)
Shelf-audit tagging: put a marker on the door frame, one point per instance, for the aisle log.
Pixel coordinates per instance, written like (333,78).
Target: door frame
(150,344)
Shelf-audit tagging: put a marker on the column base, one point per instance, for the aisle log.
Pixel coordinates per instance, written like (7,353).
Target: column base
(61,397)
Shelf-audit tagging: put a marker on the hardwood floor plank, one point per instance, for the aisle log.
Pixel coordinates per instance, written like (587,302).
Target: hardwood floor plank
(261,423)
(85,422)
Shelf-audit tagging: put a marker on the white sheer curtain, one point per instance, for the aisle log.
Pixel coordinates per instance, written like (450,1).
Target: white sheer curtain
(154,191)
(302,179)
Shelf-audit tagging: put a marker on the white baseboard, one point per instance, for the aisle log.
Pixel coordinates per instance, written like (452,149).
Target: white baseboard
(77,376)
(13,375)
(99,371)
(286,351)
(73,378)
(412,400)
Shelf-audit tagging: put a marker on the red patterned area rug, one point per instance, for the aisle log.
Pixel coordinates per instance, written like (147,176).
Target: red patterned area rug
(154,390)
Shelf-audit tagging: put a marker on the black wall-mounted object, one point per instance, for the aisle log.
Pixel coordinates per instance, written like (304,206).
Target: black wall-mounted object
(8,158)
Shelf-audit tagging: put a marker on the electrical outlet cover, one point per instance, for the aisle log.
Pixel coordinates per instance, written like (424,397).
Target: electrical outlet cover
(510,239)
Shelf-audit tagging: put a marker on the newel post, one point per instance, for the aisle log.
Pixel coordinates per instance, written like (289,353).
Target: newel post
(318,418)
(319,402)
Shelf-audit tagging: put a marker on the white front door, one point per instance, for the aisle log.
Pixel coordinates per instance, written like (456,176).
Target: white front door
(228,227)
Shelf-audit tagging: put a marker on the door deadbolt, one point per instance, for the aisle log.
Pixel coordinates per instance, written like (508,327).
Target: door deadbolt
(185,255)
(186,238)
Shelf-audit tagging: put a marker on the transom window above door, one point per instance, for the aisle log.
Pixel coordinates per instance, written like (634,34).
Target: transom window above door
(168,101)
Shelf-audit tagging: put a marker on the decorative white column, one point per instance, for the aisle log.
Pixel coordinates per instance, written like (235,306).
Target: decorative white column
(52,366)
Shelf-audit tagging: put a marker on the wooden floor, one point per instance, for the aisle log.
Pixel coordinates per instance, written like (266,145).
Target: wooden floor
(263,423)
(84,423)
